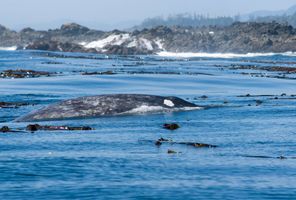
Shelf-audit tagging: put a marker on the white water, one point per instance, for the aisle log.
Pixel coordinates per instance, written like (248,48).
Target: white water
(146,44)
(157,109)
(159,43)
(110,40)
(13,48)
(219,55)
(120,39)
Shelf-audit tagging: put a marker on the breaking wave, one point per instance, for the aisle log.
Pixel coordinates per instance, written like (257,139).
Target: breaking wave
(221,55)
(13,48)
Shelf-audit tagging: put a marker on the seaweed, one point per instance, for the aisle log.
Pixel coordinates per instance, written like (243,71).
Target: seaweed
(23,73)
(37,127)
(193,144)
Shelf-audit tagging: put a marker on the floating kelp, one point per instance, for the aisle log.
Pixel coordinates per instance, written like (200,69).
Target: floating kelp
(166,73)
(260,95)
(263,95)
(269,157)
(12,104)
(99,73)
(193,144)
(23,73)
(37,127)
(6,129)
(170,151)
(263,68)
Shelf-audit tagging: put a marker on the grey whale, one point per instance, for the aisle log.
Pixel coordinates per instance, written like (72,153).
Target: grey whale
(108,105)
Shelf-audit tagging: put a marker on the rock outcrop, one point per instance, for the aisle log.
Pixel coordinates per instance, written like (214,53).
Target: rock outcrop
(237,38)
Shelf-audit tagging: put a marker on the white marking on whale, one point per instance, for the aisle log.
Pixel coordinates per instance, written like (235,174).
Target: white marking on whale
(168,103)
(108,105)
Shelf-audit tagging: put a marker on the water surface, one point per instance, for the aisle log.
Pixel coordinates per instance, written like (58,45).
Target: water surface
(118,160)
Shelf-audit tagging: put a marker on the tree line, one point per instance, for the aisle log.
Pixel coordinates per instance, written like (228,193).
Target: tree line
(194,20)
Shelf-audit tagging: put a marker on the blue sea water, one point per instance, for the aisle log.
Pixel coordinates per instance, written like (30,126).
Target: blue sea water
(118,160)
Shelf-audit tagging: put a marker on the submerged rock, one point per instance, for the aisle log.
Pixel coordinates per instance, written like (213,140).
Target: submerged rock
(5,129)
(170,151)
(203,97)
(172,127)
(259,102)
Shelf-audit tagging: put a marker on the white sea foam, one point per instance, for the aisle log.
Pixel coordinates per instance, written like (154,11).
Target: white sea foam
(133,43)
(159,43)
(110,40)
(119,39)
(146,44)
(220,55)
(83,43)
(13,48)
(157,109)
(145,109)
(141,42)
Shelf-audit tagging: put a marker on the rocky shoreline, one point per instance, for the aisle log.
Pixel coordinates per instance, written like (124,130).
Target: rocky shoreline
(249,37)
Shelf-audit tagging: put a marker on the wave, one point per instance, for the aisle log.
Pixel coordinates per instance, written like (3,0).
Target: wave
(220,55)
(13,48)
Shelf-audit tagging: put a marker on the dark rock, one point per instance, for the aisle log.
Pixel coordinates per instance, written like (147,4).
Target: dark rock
(5,129)
(33,127)
(258,102)
(173,126)
(58,46)
(203,97)
(73,29)
(240,37)
(27,30)
(171,151)
(123,50)
(158,143)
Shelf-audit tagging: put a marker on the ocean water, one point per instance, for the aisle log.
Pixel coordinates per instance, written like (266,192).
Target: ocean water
(119,160)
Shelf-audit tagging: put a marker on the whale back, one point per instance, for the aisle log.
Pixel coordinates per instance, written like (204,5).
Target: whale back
(106,105)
